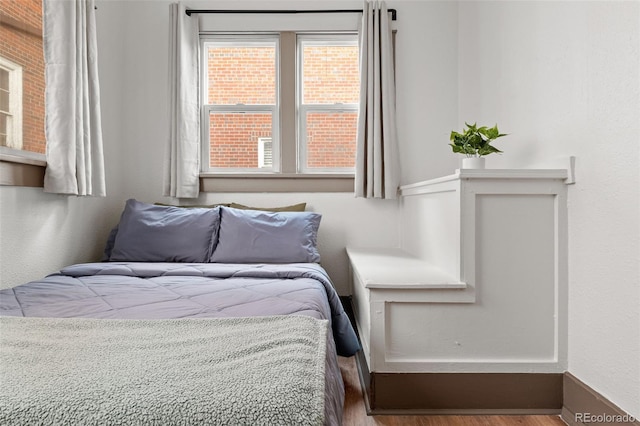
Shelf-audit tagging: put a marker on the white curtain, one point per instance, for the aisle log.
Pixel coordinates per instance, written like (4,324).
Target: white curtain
(182,167)
(377,147)
(75,161)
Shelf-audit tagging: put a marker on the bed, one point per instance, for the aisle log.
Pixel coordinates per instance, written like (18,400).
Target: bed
(236,337)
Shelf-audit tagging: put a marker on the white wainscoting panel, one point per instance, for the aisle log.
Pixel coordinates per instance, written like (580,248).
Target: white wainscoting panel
(501,237)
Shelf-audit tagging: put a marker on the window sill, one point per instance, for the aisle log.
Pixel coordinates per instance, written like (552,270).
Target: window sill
(281,182)
(21,168)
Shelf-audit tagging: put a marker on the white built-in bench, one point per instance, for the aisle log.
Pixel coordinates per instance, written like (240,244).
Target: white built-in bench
(384,279)
(396,269)
(479,281)
(477,285)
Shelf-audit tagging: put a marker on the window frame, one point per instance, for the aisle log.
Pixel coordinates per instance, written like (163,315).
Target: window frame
(302,109)
(19,167)
(239,40)
(14,131)
(287,177)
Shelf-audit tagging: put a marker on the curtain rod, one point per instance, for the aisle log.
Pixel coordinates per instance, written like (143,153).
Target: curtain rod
(190,11)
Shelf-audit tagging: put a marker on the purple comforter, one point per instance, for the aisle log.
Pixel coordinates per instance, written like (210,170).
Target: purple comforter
(181,290)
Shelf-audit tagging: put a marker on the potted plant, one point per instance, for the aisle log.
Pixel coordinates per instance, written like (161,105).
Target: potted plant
(475,143)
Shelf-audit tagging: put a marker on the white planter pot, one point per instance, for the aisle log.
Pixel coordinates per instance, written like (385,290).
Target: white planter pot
(473,163)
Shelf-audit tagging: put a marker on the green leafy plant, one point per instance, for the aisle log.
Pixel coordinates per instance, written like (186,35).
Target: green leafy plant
(475,141)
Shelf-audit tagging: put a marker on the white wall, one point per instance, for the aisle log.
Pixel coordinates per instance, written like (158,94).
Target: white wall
(427,87)
(40,233)
(563,78)
(424,100)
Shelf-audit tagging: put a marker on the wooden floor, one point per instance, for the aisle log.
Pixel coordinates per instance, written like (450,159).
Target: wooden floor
(355,412)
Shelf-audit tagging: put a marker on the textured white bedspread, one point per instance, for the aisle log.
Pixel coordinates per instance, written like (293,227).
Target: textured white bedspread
(258,370)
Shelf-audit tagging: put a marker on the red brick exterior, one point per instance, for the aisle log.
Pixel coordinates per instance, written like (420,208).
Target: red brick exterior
(234,138)
(242,75)
(331,74)
(21,37)
(247,75)
(331,139)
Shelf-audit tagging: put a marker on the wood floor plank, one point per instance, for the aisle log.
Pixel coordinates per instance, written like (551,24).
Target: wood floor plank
(355,413)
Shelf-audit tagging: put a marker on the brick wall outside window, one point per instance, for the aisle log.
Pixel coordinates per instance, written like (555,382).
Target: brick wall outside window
(331,75)
(242,75)
(21,35)
(331,139)
(234,138)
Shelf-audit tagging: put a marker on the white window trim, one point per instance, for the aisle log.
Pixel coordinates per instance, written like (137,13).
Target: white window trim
(17,166)
(14,134)
(274,110)
(336,39)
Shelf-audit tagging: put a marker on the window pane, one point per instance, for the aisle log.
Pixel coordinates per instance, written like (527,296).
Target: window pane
(4,119)
(4,101)
(4,79)
(5,127)
(241,74)
(330,73)
(331,139)
(237,139)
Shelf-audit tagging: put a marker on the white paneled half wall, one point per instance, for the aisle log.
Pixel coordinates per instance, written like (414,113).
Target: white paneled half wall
(479,282)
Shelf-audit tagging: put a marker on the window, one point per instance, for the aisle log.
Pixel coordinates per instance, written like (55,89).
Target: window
(10,104)
(328,75)
(282,103)
(241,101)
(22,87)
(22,79)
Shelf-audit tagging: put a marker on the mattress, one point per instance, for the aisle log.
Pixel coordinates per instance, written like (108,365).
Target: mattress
(147,291)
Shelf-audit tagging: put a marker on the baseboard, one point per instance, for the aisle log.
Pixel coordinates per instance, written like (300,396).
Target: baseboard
(583,405)
(460,393)
(578,404)
(365,380)
(477,393)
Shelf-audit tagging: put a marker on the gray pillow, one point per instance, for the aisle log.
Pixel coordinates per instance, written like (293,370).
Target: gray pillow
(252,236)
(108,247)
(150,233)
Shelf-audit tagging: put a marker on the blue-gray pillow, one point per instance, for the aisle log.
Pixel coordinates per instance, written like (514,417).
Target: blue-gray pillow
(252,236)
(108,247)
(151,233)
